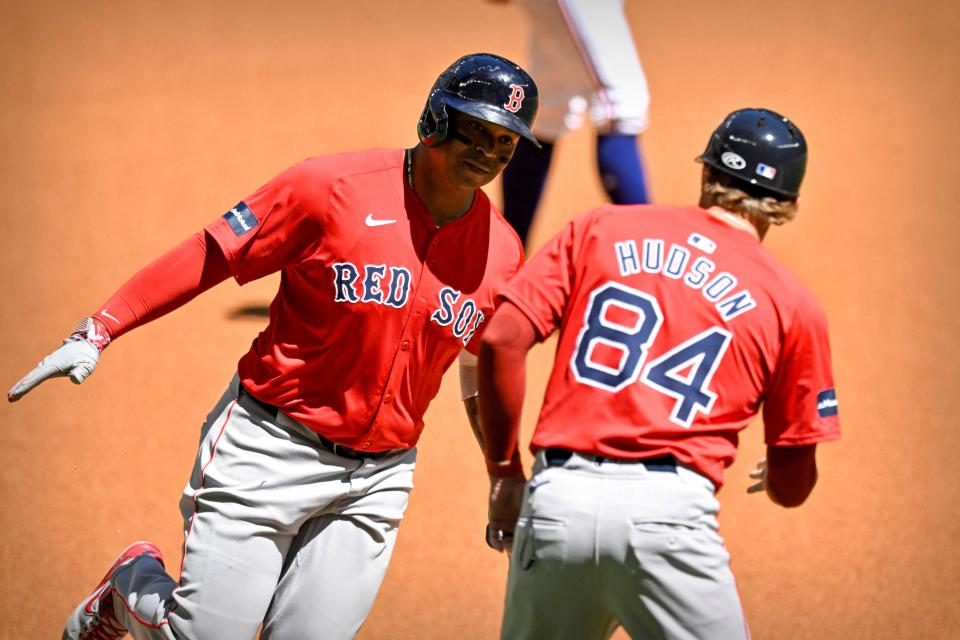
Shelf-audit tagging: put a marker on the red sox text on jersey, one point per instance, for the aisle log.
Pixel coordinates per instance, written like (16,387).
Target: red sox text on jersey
(390,286)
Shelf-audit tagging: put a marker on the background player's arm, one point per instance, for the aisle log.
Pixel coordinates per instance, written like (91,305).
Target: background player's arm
(788,474)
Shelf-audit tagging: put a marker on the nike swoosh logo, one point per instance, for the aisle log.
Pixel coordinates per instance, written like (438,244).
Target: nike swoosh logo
(375,222)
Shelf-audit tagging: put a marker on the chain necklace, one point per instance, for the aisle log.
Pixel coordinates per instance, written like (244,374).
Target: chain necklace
(408,161)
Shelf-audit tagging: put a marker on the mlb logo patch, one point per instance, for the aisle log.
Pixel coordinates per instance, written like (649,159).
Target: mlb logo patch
(241,219)
(766,171)
(827,403)
(703,243)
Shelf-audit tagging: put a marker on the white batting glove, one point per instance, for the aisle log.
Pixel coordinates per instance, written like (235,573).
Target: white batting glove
(760,474)
(76,358)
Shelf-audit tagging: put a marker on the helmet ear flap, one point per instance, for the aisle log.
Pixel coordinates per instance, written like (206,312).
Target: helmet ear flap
(427,126)
(435,121)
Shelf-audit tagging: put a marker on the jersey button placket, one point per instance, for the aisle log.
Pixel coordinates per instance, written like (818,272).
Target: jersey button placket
(431,261)
(419,308)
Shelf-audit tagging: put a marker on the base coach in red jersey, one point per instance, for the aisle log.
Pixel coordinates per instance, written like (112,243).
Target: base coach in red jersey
(676,328)
(390,261)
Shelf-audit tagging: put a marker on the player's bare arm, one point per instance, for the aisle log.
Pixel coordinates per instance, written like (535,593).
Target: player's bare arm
(473,416)
(468,392)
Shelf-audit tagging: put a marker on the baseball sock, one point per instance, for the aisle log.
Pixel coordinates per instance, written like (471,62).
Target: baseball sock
(523,182)
(621,168)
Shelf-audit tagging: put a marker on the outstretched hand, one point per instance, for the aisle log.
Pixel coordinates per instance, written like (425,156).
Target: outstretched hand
(506,500)
(76,358)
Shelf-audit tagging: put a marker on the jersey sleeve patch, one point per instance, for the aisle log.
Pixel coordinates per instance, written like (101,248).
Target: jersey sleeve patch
(827,403)
(241,219)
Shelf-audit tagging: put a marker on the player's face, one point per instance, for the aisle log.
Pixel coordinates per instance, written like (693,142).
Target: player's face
(479,150)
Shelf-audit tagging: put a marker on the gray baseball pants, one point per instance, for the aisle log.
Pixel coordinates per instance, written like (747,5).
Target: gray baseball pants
(277,530)
(602,544)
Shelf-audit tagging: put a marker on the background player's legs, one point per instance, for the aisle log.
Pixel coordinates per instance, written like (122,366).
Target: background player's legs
(523,182)
(338,560)
(620,97)
(620,164)
(620,100)
(552,589)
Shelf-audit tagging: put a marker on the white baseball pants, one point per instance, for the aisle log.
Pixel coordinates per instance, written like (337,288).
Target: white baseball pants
(584,61)
(277,531)
(605,544)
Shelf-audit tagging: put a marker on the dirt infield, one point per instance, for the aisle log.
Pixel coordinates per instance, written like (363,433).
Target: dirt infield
(128,126)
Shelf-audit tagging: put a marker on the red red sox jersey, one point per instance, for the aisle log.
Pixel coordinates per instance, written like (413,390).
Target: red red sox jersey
(375,301)
(674,330)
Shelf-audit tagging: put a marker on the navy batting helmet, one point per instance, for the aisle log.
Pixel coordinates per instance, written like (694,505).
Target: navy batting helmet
(760,147)
(485,86)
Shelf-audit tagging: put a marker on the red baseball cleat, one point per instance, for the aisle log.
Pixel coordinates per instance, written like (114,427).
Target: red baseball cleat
(94,619)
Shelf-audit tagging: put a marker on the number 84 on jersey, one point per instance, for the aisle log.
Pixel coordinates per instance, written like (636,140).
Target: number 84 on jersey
(684,372)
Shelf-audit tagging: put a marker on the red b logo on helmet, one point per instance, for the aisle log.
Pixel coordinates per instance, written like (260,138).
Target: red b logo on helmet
(516,99)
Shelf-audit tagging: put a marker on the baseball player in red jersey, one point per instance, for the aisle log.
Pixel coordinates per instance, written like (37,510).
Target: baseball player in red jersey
(676,328)
(390,261)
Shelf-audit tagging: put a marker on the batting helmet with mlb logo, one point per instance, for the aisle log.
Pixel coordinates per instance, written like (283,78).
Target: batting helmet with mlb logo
(760,147)
(485,86)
